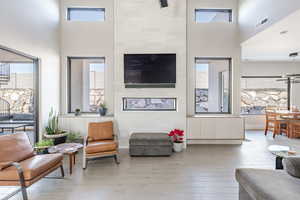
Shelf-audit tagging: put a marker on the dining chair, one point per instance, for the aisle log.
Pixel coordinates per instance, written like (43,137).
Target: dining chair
(295,129)
(275,124)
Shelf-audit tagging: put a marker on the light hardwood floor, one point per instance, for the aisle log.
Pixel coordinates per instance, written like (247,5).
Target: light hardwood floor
(202,172)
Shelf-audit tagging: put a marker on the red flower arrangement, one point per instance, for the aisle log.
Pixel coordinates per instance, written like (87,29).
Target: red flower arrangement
(177,135)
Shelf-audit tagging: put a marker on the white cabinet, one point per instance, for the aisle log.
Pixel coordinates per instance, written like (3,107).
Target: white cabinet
(80,123)
(215,128)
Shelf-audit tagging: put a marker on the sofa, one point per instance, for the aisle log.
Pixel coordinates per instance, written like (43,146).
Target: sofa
(268,184)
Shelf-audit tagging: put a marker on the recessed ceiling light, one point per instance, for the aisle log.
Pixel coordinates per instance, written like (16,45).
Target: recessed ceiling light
(284,32)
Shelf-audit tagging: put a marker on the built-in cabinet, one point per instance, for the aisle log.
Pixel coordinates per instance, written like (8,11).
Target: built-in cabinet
(80,124)
(227,128)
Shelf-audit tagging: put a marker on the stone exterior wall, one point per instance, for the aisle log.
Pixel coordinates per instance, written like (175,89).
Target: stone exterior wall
(254,101)
(96,98)
(20,100)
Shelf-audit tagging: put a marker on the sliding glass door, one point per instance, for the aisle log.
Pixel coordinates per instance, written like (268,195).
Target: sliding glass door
(18,93)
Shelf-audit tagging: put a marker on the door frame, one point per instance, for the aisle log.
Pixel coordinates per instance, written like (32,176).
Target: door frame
(36,94)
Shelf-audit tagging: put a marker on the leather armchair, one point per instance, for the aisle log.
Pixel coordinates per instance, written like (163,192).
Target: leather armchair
(100,142)
(19,166)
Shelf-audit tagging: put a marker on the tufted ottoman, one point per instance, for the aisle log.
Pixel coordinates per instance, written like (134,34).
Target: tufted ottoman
(150,144)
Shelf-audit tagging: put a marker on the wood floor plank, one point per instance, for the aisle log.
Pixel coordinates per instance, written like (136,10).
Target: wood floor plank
(202,172)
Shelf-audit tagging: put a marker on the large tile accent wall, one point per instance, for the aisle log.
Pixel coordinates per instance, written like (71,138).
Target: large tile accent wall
(143,27)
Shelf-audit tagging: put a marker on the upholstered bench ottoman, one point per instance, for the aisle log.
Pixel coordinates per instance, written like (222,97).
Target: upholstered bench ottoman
(150,144)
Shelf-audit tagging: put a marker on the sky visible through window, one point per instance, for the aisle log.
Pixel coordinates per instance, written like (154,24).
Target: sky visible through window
(97,67)
(86,14)
(207,16)
(203,67)
(21,68)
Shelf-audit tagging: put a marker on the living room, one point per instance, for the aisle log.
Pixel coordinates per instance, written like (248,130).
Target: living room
(222,73)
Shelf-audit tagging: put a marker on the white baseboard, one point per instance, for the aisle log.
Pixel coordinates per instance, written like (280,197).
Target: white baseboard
(215,142)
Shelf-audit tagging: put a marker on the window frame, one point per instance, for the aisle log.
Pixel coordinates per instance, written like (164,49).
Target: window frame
(229,11)
(229,59)
(288,93)
(137,110)
(69,9)
(69,91)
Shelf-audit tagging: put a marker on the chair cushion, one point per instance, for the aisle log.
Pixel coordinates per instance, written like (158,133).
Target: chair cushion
(292,166)
(15,148)
(22,117)
(32,167)
(265,184)
(101,131)
(101,146)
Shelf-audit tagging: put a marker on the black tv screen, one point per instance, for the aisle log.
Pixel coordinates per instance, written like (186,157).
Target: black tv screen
(150,68)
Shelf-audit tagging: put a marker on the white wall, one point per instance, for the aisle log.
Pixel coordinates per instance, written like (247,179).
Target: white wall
(32,27)
(213,40)
(143,27)
(88,39)
(251,12)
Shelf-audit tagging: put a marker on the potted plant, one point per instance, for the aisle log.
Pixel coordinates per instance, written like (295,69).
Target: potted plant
(177,136)
(53,131)
(74,137)
(77,112)
(102,109)
(42,146)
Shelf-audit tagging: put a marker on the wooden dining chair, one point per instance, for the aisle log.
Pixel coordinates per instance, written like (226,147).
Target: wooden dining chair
(275,124)
(270,109)
(294,129)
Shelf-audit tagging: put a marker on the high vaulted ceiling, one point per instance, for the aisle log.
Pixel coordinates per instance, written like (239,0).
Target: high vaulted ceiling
(276,42)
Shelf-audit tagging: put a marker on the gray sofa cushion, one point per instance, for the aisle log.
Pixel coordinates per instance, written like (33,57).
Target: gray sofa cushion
(292,166)
(264,184)
(150,139)
(22,117)
(150,144)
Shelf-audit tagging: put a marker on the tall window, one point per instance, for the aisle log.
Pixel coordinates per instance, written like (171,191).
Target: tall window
(213,85)
(86,84)
(18,91)
(86,14)
(257,93)
(213,15)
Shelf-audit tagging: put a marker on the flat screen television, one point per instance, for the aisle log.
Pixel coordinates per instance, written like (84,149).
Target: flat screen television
(150,70)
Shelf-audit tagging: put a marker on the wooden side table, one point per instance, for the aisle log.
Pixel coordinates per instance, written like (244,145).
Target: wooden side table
(70,149)
(72,160)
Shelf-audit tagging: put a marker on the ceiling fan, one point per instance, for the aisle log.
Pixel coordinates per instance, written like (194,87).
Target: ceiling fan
(292,78)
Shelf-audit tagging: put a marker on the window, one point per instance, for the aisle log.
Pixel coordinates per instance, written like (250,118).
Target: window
(213,85)
(213,15)
(86,14)
(257,93)
(149,104)
(86,84)
(18,90)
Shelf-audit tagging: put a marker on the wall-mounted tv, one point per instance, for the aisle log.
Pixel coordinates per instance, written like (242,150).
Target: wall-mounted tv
(149,70)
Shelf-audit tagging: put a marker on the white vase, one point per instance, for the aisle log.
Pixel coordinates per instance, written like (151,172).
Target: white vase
(178,147)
